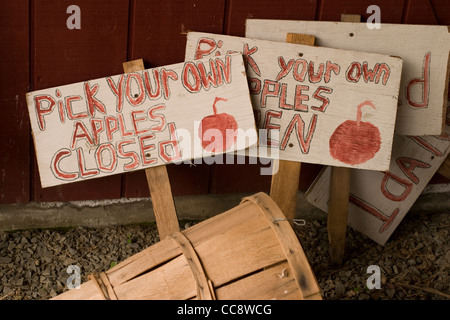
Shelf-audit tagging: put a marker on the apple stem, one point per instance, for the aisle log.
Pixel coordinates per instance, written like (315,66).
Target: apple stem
(215,101)
(359,112)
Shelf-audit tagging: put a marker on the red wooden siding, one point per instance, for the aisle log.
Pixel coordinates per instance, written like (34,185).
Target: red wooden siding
(14,121)
(39,52)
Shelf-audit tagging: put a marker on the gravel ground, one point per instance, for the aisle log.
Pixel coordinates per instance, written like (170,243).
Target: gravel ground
(414,264)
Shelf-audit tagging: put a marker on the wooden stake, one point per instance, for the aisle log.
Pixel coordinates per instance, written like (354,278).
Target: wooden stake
(339,195)
(444,169)
(284,185)
(158,183)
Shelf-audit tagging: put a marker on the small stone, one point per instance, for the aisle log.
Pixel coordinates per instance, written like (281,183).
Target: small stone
(363,296)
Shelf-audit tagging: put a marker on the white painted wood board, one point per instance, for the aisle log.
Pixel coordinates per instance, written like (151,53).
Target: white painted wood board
(424,50)
(142,119)
(309,96)
(380,200)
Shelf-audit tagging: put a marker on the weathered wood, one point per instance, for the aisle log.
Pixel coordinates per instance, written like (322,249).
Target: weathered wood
(444,169)
(284,185)
(141,119)
(306,106)
(338,213)
(380,200)
(424,49)
(251,249)
(339,193)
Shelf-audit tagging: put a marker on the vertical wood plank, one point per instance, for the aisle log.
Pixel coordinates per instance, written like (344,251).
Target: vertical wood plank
(14,122)
(158,36)
(158,183)
(62,56)
(238,11)
(224,177)
(338,212)
(331,10)
(431,12)
(339,201)
(285,182)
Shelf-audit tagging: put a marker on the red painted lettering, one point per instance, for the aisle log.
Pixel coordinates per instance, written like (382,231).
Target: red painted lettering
(166,75)
(299,98)
(145,149)
(82,166)
(93,103)
(351,75)
(271,126)
(60,174)
(406,185)
(325,100)
(267,92)
(158,117)
(331,67)
(172,143)
(41,111)
(111,166)
(249,60)
(190,73)
(156,93)
(118,91)
(97,127)
(134,163)
(204,47)
(135,120)
(80,132)
(284,68)
(314,78)
(298,122)
(407,165)
(424,81)
(70,114)
(112,125)
(135,99)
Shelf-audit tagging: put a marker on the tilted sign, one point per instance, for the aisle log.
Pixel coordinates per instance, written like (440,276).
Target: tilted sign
(380,200)
(326,106)
(142,119)
(424,50)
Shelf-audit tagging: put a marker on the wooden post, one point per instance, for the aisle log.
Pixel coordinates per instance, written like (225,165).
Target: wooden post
(339,197)
(158,183)
(444,169)
(284,185)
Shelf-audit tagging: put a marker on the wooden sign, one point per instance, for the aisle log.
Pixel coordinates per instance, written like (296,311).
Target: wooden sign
(141,119)
(320,105)
(380,200)
(424,50)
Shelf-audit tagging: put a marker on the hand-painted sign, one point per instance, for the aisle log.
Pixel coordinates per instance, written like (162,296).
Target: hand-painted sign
(327,106)
(424,50)
(142,119)
(380,200)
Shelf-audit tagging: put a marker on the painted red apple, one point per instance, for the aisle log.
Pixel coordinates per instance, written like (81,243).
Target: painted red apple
(218,131)
(355,142)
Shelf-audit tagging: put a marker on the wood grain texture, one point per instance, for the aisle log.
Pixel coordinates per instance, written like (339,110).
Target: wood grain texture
(444,169)
(380,200)
(285,182)
(108,131)
(15,159)
(158,183)
(338,213)
(166,31)
(61,56)
(244,253)
(306,136)
(424,49)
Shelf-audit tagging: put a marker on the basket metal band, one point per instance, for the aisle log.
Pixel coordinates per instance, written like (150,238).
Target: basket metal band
(103,285)
(205,289)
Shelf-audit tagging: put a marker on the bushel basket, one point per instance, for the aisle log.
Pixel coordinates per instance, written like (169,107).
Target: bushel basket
(246,253)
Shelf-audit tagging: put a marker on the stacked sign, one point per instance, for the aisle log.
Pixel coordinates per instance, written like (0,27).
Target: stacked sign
(379,200)
(315,103)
